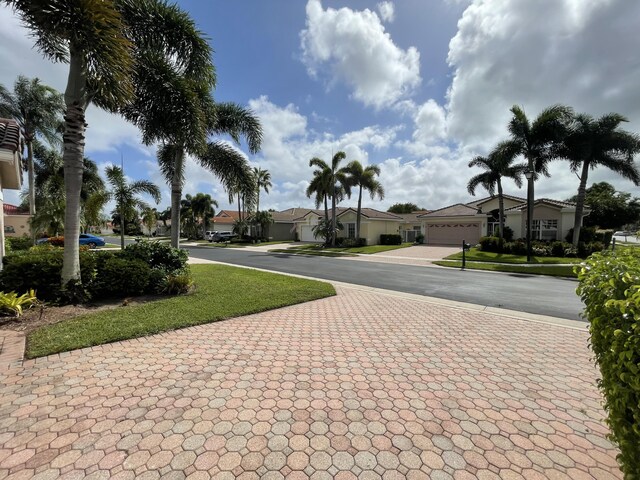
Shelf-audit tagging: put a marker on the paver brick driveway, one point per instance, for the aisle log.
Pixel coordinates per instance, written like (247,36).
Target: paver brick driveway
(364,385)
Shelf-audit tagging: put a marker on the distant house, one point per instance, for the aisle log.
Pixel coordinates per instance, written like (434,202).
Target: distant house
(16,220)
(10,165)
(552,220)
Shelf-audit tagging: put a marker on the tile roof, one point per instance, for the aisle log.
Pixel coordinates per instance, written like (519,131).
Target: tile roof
(290,214)
(477,203)
(457,210)
(370,213)
(9,135)
(545,201)
(14,210)
(413,217)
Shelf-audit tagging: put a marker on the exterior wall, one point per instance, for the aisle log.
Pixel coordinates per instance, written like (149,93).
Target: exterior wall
(372,229)
(566,224)
(514,221)
(20,224)
(480,220)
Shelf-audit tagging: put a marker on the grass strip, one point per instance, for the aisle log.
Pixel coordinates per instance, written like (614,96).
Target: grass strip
(479,256)
(221,292)
(555,271)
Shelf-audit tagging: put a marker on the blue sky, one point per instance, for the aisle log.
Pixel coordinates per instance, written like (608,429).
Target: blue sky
(416,86)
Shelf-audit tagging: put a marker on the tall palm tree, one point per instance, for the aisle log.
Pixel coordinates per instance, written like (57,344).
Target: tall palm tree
(320,188)
(338,185)
(595,143)
(539,142)
(111,46)
(126,194)
(263,182)
(364,179)
(38,110)
(497,165)
(150,219)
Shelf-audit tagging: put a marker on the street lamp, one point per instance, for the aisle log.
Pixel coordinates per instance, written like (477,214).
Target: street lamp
(529,175)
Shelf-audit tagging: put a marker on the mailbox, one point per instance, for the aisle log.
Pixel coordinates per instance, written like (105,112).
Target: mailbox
(465,246)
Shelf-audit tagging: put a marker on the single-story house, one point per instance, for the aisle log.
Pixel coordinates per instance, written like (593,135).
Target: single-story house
(373,223)
(283,226)
(10,165)
(411,226)
(16,220)
(552,220)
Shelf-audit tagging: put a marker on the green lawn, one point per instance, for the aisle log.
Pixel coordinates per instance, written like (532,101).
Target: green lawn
(242,244)
(476,255)
(221,292)
(110,245)
(553,270)
(316,249)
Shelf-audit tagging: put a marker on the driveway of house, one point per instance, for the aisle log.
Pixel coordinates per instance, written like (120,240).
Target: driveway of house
(367,384)
(418,255)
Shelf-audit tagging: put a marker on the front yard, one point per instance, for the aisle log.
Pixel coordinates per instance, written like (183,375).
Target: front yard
(553,270)
(476,255)
(221,292)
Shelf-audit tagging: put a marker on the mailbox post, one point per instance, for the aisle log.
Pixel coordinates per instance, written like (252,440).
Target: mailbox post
(465,246)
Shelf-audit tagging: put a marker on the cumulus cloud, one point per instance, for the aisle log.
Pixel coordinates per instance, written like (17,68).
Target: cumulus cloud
(356,50)
(387,11)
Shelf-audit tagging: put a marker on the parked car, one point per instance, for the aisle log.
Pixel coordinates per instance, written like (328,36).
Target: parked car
(208,235)
(222,236)
(91,241)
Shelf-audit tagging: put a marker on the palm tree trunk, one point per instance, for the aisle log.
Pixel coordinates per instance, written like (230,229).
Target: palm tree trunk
(73,140)
(577,223)
(123,223)
(32,187)
(176,196)
(359,214)
(239,211)
(333,219)
(258,201)
(500,212)
(326,209)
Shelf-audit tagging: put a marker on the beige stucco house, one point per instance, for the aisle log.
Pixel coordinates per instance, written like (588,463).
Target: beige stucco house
(373,223)
(10,165)
(16,221)
(552,220)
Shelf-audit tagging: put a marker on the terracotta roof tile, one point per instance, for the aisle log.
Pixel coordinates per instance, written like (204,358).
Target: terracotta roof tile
(14,210)
(457,210)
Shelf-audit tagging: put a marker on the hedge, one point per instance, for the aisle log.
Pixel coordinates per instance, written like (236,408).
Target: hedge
(540,248)
(610,289)
(390,239)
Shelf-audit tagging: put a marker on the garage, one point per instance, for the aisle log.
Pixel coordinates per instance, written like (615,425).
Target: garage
(306,234)
(453,233)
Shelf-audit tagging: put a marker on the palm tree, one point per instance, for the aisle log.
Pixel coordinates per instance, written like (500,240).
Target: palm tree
(364,179)
(38,110)
(338,185)
(203,207)
(150,219)
(263,182)
(498,165)
(539,142)
(320,188)
(599,142)
(117,51)
(126,194)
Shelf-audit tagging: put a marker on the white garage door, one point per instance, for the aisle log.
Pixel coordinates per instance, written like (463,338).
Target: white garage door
(306,235)
(453,233)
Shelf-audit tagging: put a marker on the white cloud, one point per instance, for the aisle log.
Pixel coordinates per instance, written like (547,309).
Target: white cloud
(356,49)
(387,11)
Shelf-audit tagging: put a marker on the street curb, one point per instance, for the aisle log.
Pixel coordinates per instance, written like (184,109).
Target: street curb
(501,312)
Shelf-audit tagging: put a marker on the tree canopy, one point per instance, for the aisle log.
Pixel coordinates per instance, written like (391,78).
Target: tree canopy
(404,208)
(610,209)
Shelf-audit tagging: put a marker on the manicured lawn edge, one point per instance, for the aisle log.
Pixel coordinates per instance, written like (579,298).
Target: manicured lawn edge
(315,253)
(476,255)
(313,249)
(551,270)
(222,292)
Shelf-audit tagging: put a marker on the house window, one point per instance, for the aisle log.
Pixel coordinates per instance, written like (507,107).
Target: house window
(9,229)
(544,229)
(351,230)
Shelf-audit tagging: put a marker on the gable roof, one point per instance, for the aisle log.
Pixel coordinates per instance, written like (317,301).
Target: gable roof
(544,201)
(14,210)
(370,213)
(477,203)
(413,217)
(289,215)
(9,135)
(457,210)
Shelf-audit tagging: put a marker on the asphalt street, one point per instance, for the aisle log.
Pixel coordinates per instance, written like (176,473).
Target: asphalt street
(526,293)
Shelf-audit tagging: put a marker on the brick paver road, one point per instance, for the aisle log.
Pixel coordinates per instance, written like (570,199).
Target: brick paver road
(364,385)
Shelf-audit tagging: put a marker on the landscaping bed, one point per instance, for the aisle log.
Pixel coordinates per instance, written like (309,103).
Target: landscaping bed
(553,270)
(316,249)
(477,255)
(220,292)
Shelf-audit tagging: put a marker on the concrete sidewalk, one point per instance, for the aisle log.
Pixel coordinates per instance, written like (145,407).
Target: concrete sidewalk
(366,384)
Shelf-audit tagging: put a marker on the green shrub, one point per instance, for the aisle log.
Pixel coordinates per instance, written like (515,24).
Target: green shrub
(18,243)
(40,270)
(587,235)
(508,234)
(390,239)
(605,237)
(515,248)
(56,241)
(178,284)
(610,289)
(491,244)
(557,249)
(157,255)
(118,277)
(420,238)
